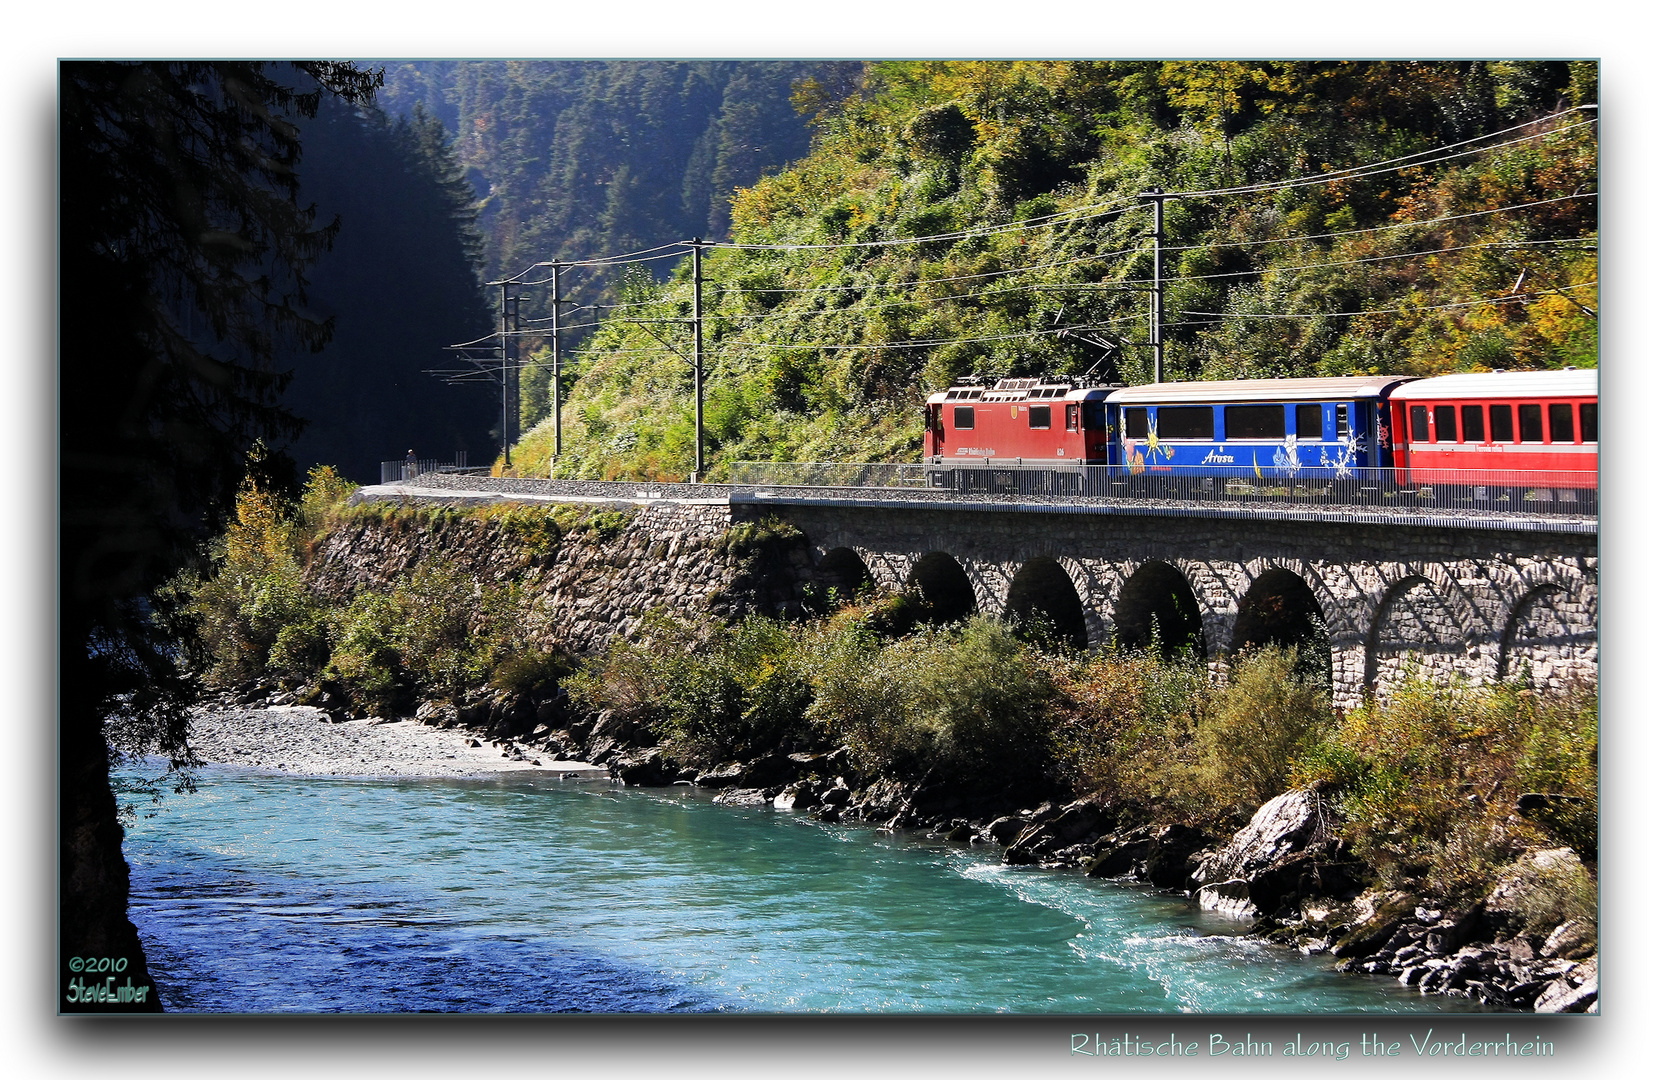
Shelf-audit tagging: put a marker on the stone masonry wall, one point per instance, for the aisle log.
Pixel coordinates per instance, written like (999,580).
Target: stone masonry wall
(1480,602)
(583,591)
(1483,603)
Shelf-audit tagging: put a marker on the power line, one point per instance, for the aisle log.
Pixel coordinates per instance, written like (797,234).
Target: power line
(1358,172)
(1516,299)
(1384,228)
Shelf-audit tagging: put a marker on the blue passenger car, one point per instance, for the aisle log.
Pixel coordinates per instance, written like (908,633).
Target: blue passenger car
(1270,428)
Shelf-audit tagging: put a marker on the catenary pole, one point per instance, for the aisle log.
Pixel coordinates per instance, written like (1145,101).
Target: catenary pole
(556,363)
(504,376)
(1156,321)
(699,396)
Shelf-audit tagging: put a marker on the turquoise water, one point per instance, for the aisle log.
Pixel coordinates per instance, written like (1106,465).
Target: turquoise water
(264,893)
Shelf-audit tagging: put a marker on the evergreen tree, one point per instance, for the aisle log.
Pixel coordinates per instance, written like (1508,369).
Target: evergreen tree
(184,253)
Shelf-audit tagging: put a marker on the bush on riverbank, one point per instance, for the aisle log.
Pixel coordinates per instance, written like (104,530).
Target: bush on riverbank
(1430,781)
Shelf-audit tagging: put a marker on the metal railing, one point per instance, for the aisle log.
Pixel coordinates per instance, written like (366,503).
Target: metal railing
(405,469)
(1571,494)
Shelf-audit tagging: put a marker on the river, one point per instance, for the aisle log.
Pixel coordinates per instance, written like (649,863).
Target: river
(266,892)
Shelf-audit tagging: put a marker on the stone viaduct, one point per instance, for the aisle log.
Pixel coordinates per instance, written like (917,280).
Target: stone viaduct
(1486,598)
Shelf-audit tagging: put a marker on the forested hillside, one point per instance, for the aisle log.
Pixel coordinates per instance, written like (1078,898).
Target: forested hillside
(579,158)
(401,283)
(958,217)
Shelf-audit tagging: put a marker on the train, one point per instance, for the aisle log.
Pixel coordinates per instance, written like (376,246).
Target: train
(1494,428)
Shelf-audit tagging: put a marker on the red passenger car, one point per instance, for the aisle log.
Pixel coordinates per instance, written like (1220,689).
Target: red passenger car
(1484,428)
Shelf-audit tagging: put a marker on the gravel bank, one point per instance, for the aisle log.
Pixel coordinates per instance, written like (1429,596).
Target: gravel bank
(301,740)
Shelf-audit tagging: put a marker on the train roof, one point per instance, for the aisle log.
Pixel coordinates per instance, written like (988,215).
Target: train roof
(1503,384)
(1020,390)
(1340,388)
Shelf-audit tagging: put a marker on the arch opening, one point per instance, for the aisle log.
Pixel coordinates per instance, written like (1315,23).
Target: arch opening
(840,576)
(1157,602)
(944,587)
(1413,631)
(1550,639)
(1280,609)
(1042,592)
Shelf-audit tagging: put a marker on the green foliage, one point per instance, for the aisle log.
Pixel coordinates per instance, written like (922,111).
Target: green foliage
(733,691)
(807,347)
(325,495)
(1428,779)
(1268,715)
(254,610)
(969,702)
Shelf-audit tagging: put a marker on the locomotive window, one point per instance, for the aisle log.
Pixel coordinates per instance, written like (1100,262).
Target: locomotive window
(1253,421)
(1073,416)
(1587,421)
(1038,416)
(1420,423)
(1136,423)
(1532,422)
(1343,421)
(1475,427)
(1186,422)
(1503,423)
(1561,422)
(1096,415)
(1309,422)
(936,423)
(964,417)
(1446,423)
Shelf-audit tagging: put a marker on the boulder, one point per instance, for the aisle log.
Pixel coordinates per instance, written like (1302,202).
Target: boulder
(1231,898)
(799,796)
(1572,940)
(1574,992)
(775,769)
(1004,830)
(1075,822)
(642,768)
(1287,851)
(1286,825)
(722,776)
(1375,919)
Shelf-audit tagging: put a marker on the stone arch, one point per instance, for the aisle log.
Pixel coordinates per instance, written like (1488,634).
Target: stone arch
(1281,609)
(1043,586)
(1552,631)
(1158,597)
(944,585)
(1415,625)
(842,569)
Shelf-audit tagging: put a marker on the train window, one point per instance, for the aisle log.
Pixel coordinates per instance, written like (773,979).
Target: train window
(1309,422)
(1254,421)
(1073,416)
(1446,423)
(1587,421)
(1187,422)
(1532,422)
(1561,422)
(1503,423)
(964,417)
(936,423)
(1343,421)
(1420,423)
(1038,416)
(1475,425)
(1136,423)
(1096,415)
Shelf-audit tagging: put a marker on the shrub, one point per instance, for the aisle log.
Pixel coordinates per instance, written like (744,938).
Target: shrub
(256,590)
(970,702)
(1268,715)
(1127,725)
